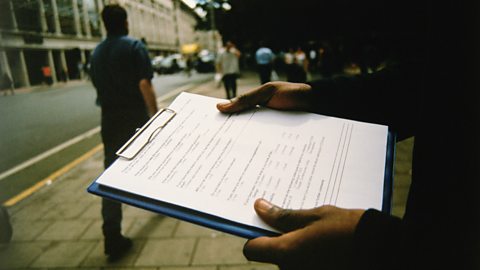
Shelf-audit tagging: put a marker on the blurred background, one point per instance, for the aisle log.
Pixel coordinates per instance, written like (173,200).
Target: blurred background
(57,37)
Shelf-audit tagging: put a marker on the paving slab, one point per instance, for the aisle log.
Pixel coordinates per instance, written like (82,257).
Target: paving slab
(67,210)
(93,210)
(250,267)
(187,229)
(190,268)
(20,255)
(156,226)
(25,230)
(97,258)
(65,230)
(220,250)
(64,254)
(168,252)
(31,211)
(94,231)
(129,268)
(69,268)
(130,211)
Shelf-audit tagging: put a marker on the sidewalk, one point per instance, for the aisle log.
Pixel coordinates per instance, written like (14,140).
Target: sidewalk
(59,227)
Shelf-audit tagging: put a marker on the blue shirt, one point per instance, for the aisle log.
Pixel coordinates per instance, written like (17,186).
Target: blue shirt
(264,56)
(118,64)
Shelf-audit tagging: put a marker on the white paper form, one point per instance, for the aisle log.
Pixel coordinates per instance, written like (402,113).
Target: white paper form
(219,164)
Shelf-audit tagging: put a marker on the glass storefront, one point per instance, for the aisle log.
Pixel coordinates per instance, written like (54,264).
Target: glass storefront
(27,13)
(93,17)
(6,18)
(66,16)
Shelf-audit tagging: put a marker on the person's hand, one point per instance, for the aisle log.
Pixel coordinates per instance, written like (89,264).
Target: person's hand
(319,238)
(275,95)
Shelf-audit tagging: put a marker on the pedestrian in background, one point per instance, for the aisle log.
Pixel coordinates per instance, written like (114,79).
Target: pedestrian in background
(47,75)
(228,65)
(264,58)
(7,84)
(189,65)
(299,67)
(121,73)
(288,59)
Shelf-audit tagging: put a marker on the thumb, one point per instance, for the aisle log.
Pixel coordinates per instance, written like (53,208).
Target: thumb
(285,220)
(258,96)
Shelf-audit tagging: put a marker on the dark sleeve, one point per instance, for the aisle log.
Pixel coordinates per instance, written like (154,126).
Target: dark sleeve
(143,65)
(379,241)
(387,97)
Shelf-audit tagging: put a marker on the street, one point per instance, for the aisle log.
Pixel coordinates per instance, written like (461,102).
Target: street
(34,123)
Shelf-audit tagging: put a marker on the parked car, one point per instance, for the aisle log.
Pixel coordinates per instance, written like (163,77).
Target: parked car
(171,64)
(156,61)
(206,61)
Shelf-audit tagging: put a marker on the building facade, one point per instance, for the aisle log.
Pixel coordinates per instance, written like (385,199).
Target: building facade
(47,41)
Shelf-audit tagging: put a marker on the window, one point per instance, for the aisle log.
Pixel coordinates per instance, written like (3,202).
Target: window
(27,13)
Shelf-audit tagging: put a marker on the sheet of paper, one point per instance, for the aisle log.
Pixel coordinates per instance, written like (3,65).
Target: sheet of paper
(219,164)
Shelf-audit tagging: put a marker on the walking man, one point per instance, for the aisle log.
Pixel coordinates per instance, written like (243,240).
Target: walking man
(121,73)
(264,58)
(227,64)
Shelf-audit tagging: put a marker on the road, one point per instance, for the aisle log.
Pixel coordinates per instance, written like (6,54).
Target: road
(34,123)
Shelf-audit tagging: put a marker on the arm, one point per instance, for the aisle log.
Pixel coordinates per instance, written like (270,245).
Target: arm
(387,97)
(145,74)
(237,52)
(146,88)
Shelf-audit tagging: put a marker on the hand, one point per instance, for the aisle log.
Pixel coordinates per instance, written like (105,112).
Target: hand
(319,238)
(275,95)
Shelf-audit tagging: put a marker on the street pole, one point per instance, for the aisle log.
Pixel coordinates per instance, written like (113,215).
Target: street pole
(213,26)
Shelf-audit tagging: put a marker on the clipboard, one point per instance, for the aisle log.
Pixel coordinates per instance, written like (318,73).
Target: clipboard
(136,144)
(148,132)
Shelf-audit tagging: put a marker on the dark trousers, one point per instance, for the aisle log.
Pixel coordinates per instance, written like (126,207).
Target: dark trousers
(265,73)
(117,128)
(296,73)
(230,83)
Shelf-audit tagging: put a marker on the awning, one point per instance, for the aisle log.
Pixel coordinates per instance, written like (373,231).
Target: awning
(190,48)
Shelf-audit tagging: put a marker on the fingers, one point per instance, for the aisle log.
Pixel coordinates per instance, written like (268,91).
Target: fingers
(285,220)
(322,234)
(263,249)
(276,249)
(257,96)
(279,250)
(275,95)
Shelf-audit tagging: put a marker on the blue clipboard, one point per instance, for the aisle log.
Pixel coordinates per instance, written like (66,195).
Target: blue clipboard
(221,224)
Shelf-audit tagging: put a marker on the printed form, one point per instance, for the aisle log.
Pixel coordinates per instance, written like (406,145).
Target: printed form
(219,164)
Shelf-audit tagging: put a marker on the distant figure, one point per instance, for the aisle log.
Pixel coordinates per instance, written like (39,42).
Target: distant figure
(80,69)
(121,72)
(7,84)
(289,59)
(47,75)
(189,65)
(227,64)
(63,74)
(300,66)
(264,58)
(86,70)
(312,55)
